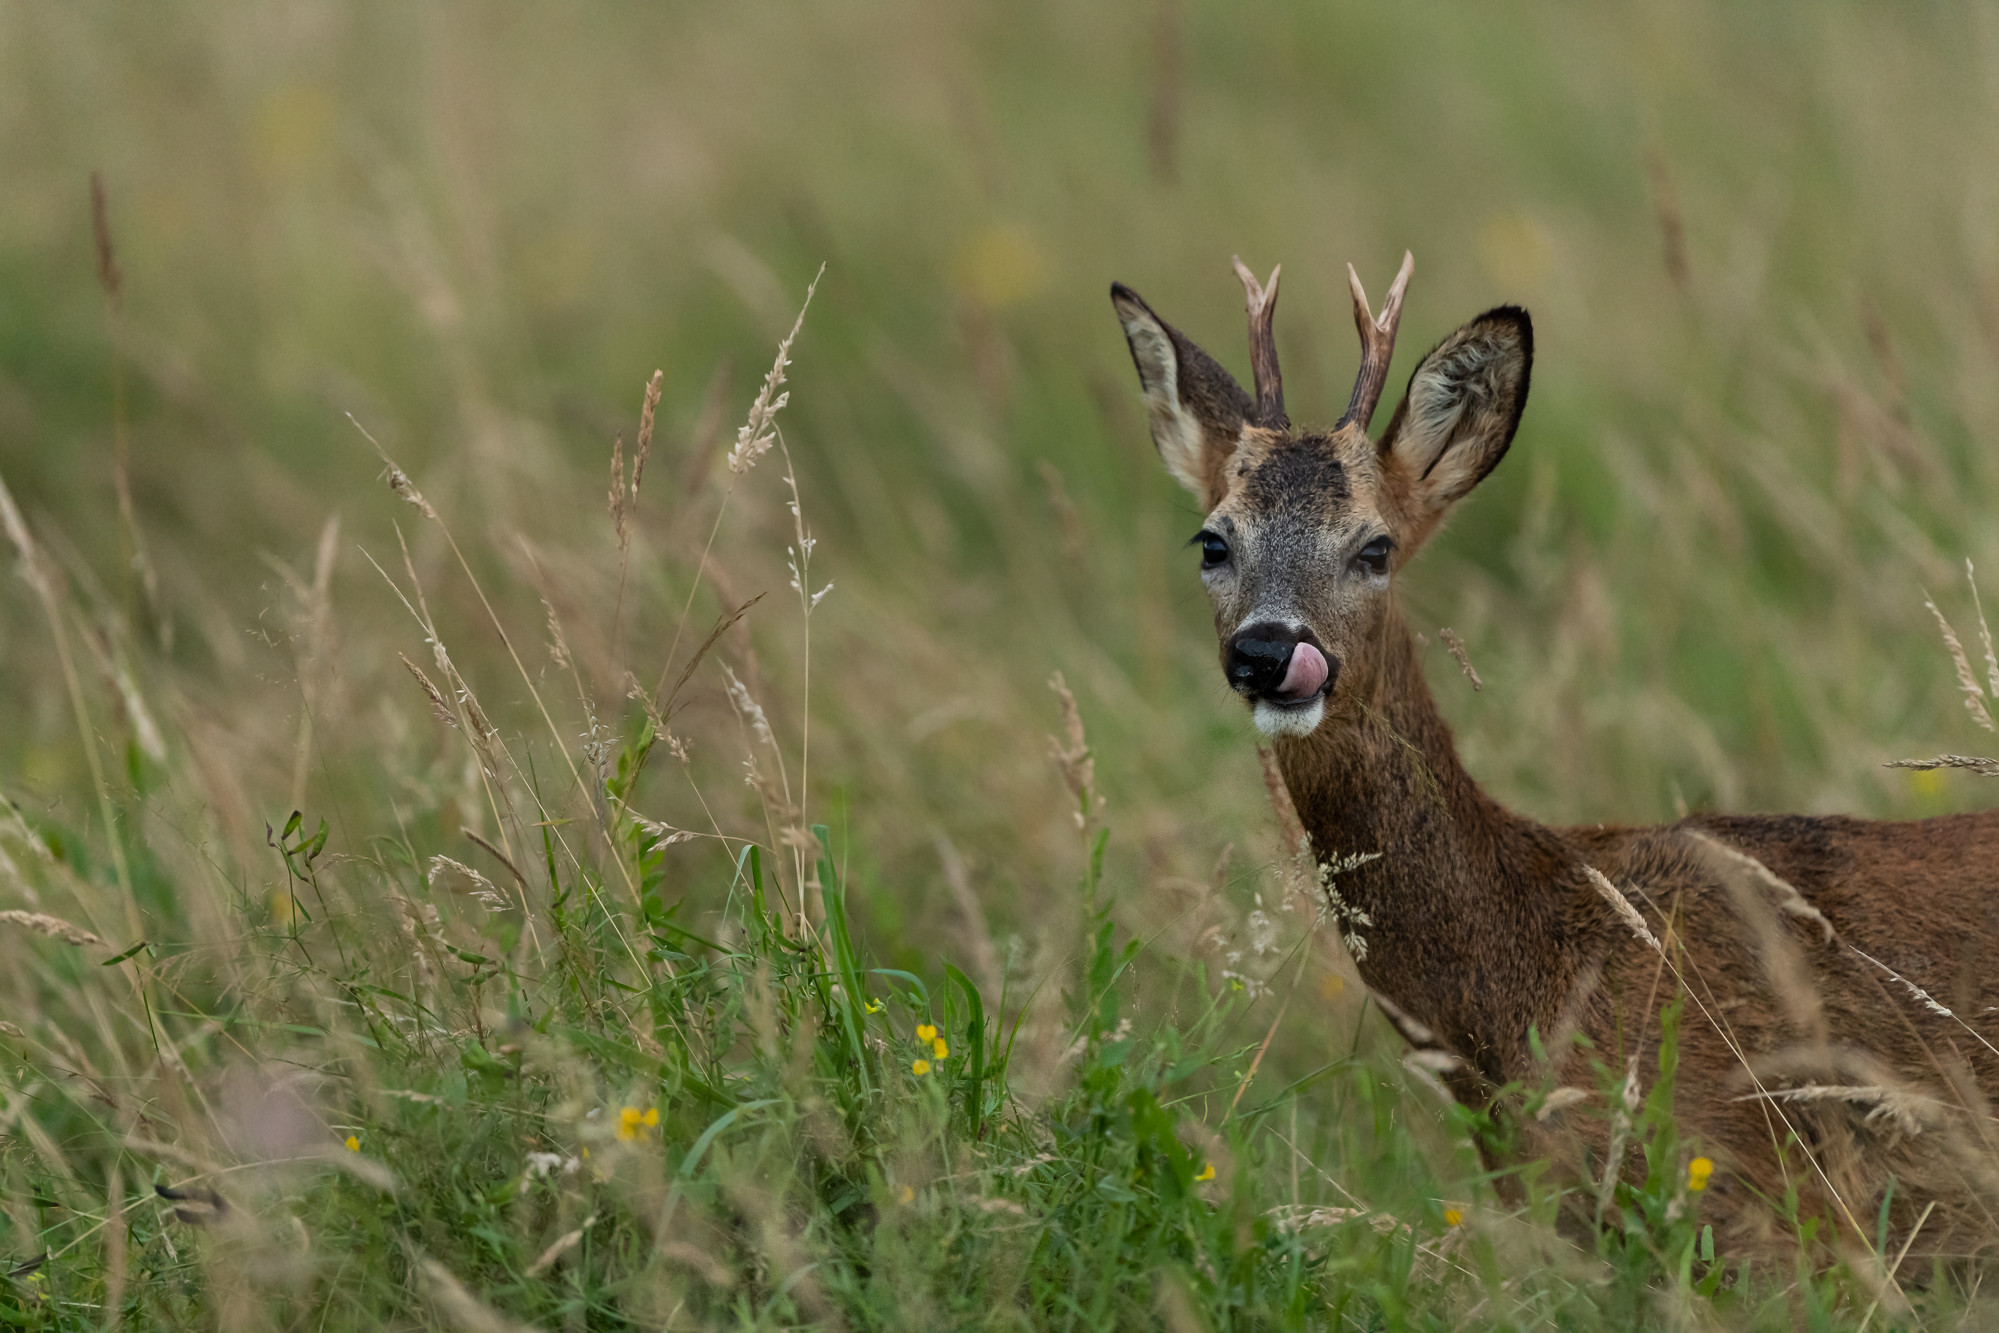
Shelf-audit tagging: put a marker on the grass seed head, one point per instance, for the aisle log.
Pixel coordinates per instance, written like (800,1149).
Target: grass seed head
(52,926)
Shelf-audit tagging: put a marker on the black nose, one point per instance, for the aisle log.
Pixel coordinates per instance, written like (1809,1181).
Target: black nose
(1257,658)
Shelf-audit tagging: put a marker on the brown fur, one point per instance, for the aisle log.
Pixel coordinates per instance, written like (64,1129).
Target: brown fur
(1486,926)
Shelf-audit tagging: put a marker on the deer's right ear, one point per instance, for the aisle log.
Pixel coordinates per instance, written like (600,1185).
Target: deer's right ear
(1196,408)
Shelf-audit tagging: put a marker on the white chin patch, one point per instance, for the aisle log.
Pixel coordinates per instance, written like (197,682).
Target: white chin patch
(1277,720)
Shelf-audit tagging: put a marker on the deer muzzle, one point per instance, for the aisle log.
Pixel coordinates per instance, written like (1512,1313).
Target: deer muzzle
(1277,664)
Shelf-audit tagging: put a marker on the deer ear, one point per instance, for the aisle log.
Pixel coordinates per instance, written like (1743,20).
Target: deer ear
(1462,407)
(1196,408)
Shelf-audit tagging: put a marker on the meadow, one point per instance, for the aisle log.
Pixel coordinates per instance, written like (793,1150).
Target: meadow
(817,876)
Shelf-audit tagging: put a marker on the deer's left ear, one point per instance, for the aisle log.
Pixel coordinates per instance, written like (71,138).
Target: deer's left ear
(1462,407)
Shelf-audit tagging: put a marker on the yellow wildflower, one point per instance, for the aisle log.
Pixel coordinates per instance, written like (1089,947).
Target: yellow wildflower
(1698,1171)
(873,1006)
(920,1068)
(940,1048)
(651,1117)
(1207,1171)
(907,1194)
(1452,1217)
(353,1143)
(926,1032)
(631,1115)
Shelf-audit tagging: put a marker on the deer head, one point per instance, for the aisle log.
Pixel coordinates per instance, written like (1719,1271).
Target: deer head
(1305,528)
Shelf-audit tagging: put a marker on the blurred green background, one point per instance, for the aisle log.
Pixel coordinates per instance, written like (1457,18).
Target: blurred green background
(1760,245)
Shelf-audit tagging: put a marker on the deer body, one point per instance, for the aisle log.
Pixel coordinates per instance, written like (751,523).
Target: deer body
(1808,1058)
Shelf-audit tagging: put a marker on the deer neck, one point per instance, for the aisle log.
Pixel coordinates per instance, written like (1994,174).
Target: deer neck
(1467,902)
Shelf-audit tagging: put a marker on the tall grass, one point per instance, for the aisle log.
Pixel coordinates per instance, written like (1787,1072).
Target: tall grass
(1755,439)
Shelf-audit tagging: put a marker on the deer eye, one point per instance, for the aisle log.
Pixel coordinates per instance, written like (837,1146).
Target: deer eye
(1373,557)
(1213,550)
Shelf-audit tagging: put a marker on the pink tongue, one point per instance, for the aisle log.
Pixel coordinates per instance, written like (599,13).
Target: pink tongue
(1306,673)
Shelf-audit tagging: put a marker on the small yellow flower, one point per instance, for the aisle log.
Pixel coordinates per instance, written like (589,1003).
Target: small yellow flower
(940,1048)
(651,1117)
(626,1133)
(1698,1171)
(353,1143)
(586,1154)
(907,1194)
(873,1006)
(1452,1217)
(920,1068)
(631,1115)
(1207,1171)
(926,1032)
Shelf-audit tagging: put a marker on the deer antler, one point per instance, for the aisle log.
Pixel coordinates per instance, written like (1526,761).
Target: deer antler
(1377,342)
(1262,302)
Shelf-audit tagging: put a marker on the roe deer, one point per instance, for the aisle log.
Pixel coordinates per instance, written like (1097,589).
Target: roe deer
(1817,955)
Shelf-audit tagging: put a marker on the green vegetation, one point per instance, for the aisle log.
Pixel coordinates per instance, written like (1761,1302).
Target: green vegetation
(382,879)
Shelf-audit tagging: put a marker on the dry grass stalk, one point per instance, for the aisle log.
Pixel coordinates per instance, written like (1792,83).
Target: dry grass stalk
(44,583)
(1631,1097)
(986,969)
(709,423)
(624,494)
(1672,223)
(400,483)
(112,280)
(1927,1000)
(1984,631)
(20,829)
(759,432)
(487,846)
(1909,1112)
(438,706)
(1967,680)
(781,816)
(109,277)
(753,440)
(1622,906)
(1456,647)
(14,881)
(1280,800)
(1881,342)
(558,1247)
(615,499)
(558,645)
(1971,762)
(483,890)
(643,449)
(32,569)
(455,1301)
(52,926)
(1789,900)
(1560,1099)
(1078,765)
(662,835)
(1071,522)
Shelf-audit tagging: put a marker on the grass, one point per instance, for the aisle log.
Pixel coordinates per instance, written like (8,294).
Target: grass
(1757,436)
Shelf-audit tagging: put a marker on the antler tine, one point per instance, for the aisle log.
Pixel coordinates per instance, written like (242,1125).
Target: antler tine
(1261,298)
(1377,341)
